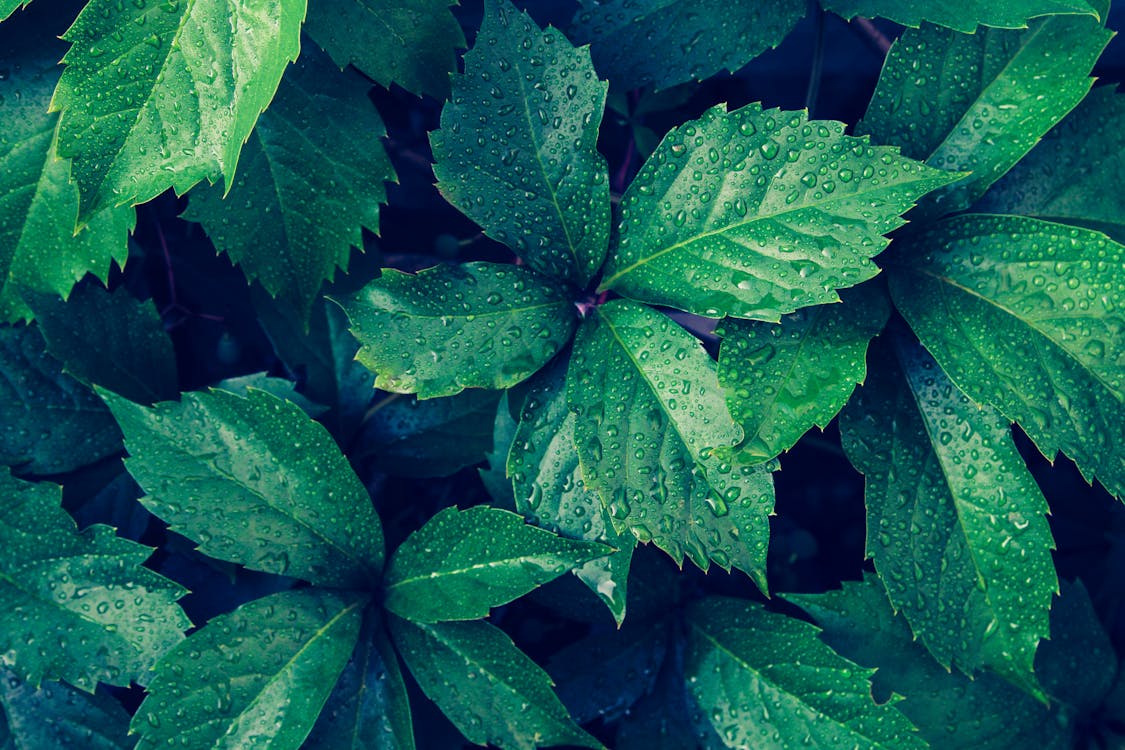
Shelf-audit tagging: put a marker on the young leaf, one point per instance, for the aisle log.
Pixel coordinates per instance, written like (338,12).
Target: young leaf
(979,102)
(955,523)
(651,425)
(78,605)
(661,43)
(312,177)
(765,675)
(58,716)
(165,99)
(517,148)
(961,15)
(408,42)
(258,676)
(755,214)
(491,691)
(464,562)
(447,328)
(1025,315)
(254,481)
(781,379)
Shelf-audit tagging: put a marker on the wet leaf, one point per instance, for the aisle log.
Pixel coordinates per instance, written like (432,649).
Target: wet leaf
(495,477)
(962,15)
(280,387)
(58,716)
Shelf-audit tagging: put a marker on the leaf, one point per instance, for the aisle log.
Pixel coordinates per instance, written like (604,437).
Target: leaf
(59,716)
(52,423)
(165,99)
(650,427)
(255,677)
(280,387)
(78,606)
(495,477)
(312,177)
(109,339)
(1077,665)
(955,523)
(464,562)
(539,185)
(447,328)
(1025,315)
(979,102)
(491,691)
(963,15)
(782,379)
(254,481)
(768,682)
(8,7)
(408,42)
(731,217)
(661,43)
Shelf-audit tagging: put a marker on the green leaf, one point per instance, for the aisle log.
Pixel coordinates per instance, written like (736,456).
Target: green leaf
(8,7)
(464,562)
(495,477)
(219,61)
(661,43)
(979,102)
(280,387)
(109,339)
(52,423)
(962,15)
(955,523)
(782,379)
(767,682)
(447,328)
(408,42)
(59,716)
(78,606)
(1077,666)
(491,691)
(650,429)
(312,177)
(539,185)
(256,677)
(755,214)
(1026,316)
(668,718)
(254,481)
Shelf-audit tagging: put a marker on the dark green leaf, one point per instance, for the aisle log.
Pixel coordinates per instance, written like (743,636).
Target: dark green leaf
(254,481)
(755,214)
(517,148)
(962,15)
(1077,666)
(280,387)
(495,477)
(59,716)
(464,562)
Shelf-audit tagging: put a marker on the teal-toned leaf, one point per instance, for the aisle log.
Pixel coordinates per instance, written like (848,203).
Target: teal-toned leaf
(755,214)
(766,681)
(158,96)
(495,477)
(491,691)
(955,523)
(464,562)
(312,177)
(408,42)
(77,606)
(979,102)
(782,379)
(109,339)
(668,718)
(280,387)
(651,425)
(517,148)
(660,43)
(1026,316)
(257,677)
(962,15)
(1077,665)
(447,328)
(254,481)
(58,716)
(51,422)
(39,246)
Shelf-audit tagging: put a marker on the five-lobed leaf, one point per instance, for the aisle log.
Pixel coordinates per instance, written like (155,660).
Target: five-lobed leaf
(961,15)
(57,715)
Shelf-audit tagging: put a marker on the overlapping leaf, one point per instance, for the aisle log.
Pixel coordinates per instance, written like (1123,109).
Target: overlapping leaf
(755,214)
(57,715)
(962,15)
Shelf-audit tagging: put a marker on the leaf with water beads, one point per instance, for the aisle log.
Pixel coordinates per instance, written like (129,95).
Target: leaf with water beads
(56,715)
(755,214)
(962,15)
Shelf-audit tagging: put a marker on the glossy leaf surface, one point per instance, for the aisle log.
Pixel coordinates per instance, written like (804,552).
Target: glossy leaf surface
(57,715)
(962,15)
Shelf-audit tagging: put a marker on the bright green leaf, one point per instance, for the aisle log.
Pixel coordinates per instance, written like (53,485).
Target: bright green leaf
(8,7)
(77,606)
(254,481)
(59,716)
(767,682)
(755,214)
(962,15)
(955,523)
(539,185)
(464,562)
(256,677)
(447,328)
(1025,315)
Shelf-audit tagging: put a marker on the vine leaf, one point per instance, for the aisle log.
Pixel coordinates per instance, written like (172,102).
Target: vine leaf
(754,214)
(58,715)
(158,96)
(1025,315)
(962,15)
(521,160)
(956,525)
